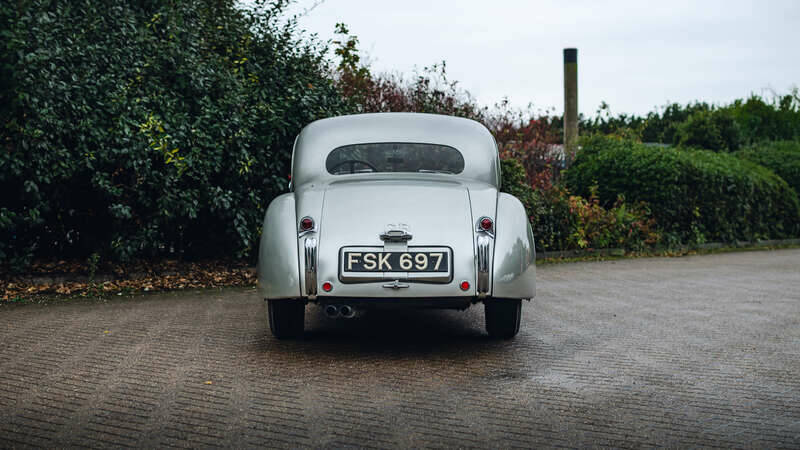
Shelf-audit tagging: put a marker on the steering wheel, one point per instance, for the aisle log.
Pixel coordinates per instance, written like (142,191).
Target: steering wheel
(352,163)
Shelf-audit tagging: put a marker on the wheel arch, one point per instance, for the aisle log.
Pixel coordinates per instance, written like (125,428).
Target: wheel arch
(278,264)
(514,268)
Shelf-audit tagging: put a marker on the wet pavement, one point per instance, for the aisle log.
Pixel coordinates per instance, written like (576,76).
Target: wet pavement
(693,351)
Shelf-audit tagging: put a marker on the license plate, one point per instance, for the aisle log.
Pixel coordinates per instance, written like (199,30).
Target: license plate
(388,261)
(371,264)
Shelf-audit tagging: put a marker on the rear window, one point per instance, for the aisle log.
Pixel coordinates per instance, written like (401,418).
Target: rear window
(394,157)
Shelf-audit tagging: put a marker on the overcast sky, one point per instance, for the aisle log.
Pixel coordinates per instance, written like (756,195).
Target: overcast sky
(635,55)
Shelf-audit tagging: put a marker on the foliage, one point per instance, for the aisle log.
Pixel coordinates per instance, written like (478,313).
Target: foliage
(548,214)
(527,139)
(715,130)
(135,129)
(603,122)
(153,129)
(562,221)
(429,91)
(699,124)
(782,157)
(695,195)
(762,120)
(662,126)
(514,181)
(353,78)
(619,226)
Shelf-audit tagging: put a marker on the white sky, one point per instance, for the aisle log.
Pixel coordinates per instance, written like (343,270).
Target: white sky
(635,55)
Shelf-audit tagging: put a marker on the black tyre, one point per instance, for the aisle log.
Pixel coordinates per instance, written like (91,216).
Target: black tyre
(503,317)
(286,318)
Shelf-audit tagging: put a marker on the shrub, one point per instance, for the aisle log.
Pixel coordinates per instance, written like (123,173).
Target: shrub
(561,221)
(696,195)
(760,119)
(548,214)
(782,157)
(149,128)
(713,130)
(529,140)
(751,120)
(619,226)
(515,182)
(662,126)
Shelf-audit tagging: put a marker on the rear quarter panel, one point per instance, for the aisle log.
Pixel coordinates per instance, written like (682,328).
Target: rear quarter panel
(278,266)
(514,271)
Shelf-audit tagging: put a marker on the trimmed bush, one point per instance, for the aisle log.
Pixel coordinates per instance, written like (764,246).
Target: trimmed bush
(696,195)
(149,129)
(561,221)
(782,157)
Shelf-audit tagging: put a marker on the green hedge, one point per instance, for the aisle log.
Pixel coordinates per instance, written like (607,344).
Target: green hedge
(782,157)
(713,130)
(695,195)
(561,221)
(549,217)
(744,121)
(139,129)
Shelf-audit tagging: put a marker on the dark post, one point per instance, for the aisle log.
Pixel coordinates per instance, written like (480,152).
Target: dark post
(570,103)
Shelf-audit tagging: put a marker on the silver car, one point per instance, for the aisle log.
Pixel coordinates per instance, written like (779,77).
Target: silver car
(395,210)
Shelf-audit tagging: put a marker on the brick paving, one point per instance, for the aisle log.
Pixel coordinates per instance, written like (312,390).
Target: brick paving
(697,351)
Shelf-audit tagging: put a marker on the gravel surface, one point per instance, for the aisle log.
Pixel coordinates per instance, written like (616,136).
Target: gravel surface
(683,352)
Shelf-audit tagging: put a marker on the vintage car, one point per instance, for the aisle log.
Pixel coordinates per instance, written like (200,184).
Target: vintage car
(395,210)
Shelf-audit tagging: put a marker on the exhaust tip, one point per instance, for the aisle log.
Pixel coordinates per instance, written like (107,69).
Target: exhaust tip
(332,311)
(347,311)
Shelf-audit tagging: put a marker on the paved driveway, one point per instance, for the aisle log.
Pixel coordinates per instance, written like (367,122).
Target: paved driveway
(693,351)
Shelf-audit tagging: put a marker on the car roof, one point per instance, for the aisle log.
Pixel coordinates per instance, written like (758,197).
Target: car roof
(319,138)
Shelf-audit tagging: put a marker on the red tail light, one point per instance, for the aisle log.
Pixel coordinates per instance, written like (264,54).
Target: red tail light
(465,285)
(327,286)
(486,224)
(306,223)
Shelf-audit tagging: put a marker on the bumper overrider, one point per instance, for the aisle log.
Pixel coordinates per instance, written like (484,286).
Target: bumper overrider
(311,267)
(484,246)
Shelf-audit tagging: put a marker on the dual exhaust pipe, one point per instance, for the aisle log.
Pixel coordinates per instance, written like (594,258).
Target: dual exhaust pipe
(336,311)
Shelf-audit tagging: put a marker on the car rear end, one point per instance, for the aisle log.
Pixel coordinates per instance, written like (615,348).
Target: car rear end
(396,238)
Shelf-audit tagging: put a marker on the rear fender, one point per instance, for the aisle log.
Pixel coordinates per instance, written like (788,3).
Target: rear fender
(278,265)
(514,271)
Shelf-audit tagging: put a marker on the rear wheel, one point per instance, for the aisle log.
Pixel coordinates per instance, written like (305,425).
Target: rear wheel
(503,317)
(286,318)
